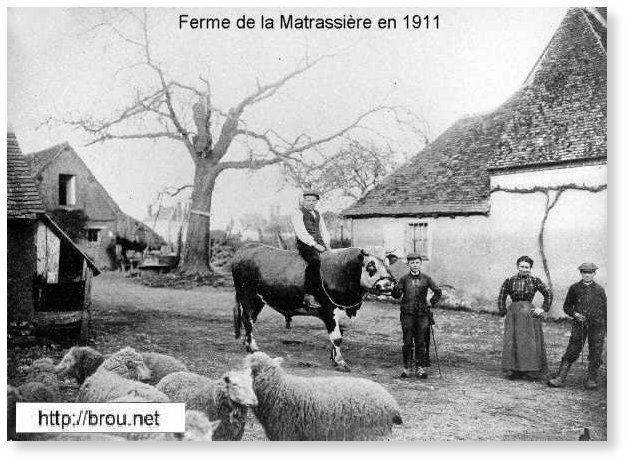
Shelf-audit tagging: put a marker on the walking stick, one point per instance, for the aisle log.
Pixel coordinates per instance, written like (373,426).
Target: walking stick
(583,341)
(437,359)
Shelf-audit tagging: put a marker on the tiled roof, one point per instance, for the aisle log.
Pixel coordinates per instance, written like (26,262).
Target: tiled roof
(560,113)
(558,116)
(23,201)
(97,203)
(448,176)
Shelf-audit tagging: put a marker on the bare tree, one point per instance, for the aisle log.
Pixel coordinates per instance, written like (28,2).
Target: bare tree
(167,109)
(352,171)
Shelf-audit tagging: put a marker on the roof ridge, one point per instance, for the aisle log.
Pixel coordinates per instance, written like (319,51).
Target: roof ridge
(592,29)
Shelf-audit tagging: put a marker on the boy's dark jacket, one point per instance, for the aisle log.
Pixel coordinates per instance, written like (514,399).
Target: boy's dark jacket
(414,297)
(588,300)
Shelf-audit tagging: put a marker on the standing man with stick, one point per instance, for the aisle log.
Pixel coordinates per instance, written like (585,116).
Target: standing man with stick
(586,304)
(415,314)
(312,239)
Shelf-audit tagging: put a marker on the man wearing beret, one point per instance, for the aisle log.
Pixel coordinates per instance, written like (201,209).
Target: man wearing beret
(312,239)
(586,304)
(415,315)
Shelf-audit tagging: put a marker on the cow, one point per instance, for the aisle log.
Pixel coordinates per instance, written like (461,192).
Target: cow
(264,274)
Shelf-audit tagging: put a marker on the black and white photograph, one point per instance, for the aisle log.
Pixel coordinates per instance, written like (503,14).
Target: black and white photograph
(307,224)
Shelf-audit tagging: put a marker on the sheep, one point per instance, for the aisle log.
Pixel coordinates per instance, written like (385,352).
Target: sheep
(116,378)
(319,408)
(13,396)
(226,399)
(82,361)
(79,362)
(30,392)
(197,428)
(42,371)
(77,436)
(161,365)
(38,392)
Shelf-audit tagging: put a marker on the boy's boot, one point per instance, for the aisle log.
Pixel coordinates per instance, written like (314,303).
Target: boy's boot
(406,372)
(558,380)
(591,378)
(420,372)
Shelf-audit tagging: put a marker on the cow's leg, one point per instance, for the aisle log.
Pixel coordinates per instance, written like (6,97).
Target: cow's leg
(251,308)
(331,321)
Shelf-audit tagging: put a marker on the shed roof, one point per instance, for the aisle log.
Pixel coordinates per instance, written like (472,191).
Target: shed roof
(557,117)
(64,238)
(23,201)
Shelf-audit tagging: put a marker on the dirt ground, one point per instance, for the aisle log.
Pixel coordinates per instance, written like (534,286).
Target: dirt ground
(471,401)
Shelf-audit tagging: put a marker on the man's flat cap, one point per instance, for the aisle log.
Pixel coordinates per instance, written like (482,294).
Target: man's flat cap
(587,267)
(311,193)
(412,256)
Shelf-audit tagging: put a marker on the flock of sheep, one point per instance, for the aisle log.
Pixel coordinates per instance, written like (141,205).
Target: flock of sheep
(288,407)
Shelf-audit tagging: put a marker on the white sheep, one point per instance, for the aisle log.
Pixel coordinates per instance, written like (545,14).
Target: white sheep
(42,371)
(319,408)
(197,428)
(117,377)
(30,392)
(82,361)
(226,399)
(161,365)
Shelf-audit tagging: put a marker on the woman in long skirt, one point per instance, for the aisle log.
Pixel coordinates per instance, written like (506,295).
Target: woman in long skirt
(523,342)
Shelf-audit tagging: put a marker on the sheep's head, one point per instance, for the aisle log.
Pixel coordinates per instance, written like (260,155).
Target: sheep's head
(240,387)
(127,363)
(13,395)
(198,427)
(70,364)
(260,361)
(79,362)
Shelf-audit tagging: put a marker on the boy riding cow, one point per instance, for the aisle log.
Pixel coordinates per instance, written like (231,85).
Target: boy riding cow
(312,239)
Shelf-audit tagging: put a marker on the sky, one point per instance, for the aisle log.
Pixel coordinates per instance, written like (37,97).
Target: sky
(475,60)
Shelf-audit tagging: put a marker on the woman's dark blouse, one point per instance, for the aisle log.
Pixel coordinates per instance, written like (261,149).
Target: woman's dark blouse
(523,289)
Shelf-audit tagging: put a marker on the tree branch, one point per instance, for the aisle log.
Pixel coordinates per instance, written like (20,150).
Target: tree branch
(144,135)
(549,205)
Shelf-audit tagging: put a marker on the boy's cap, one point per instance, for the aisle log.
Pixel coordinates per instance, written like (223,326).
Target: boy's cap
(587,267)
(311,193)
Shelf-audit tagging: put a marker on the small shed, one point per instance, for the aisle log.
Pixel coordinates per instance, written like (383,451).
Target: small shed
(62,286)
(49,278)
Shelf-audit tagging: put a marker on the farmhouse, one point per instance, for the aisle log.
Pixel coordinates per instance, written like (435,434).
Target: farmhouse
(168,221)
(68,188)
(526,178)
(48,276)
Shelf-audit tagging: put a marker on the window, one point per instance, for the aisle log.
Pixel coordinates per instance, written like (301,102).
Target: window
(418,239)
(92,235)
(67,190)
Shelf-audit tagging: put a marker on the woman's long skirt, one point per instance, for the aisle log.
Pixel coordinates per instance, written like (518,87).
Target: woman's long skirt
(523,341)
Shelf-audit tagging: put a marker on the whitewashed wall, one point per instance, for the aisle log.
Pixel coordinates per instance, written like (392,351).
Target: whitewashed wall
(476,253)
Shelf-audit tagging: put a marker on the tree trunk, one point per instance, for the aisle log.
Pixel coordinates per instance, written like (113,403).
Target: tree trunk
(196,258)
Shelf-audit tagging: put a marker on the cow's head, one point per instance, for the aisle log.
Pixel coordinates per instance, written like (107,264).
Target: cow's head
(375,277)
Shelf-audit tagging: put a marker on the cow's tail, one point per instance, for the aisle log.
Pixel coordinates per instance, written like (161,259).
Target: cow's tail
(238,316)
